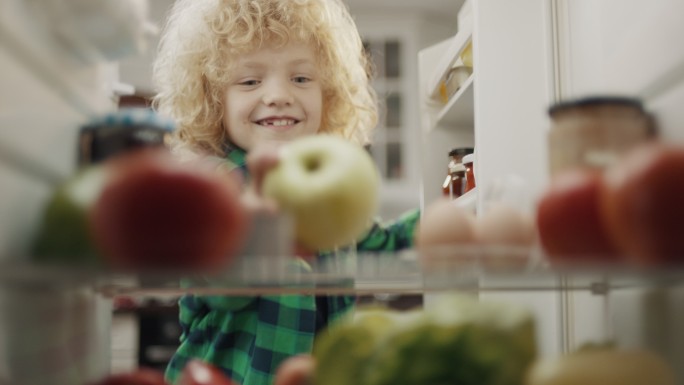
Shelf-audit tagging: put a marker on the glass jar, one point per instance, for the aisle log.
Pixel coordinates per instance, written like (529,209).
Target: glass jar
(454,79)
(454,183)
(594,132)
(469,172)
(121,131)
(456,186)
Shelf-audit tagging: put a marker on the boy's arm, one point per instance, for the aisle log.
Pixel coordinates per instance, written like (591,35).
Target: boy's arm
(222,302)
(391,236)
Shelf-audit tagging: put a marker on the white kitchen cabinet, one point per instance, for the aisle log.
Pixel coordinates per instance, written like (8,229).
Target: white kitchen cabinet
(393,38)
(501,112)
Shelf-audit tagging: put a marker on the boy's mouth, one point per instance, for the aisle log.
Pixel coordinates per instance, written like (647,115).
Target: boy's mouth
(277,122)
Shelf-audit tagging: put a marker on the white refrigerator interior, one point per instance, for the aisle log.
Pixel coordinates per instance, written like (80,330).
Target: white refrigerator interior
(527,55)
(634,48)
(57,72)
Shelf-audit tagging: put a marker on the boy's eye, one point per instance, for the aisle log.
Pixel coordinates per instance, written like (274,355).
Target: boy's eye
(301,79)
(250,82)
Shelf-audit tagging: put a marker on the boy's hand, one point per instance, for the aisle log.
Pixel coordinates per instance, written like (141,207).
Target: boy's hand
(296,370)
(260,160)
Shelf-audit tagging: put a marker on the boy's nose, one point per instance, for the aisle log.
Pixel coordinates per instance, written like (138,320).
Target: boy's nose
(277,95)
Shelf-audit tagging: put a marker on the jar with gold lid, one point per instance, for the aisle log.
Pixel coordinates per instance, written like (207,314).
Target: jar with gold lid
(593,132)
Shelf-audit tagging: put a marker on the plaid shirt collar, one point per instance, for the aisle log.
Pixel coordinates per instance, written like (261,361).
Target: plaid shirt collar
(236,155)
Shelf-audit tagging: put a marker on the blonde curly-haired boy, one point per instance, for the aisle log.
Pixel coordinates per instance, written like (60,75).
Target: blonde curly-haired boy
(235,74)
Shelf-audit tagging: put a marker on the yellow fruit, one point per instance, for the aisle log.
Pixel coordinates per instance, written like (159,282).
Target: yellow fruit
(602,367)
(467,55)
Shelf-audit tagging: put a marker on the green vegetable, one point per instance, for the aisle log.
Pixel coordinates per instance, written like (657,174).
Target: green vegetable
(461,342)
(342,351)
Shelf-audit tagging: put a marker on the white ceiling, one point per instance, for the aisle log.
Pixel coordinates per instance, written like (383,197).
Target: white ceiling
(137,70)
(445,9)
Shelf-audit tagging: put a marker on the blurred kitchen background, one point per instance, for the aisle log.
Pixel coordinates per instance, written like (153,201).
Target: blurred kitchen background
(59,69)
(394,31)
(145,330)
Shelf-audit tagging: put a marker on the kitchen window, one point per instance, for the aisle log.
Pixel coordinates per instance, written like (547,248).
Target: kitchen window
(386,55)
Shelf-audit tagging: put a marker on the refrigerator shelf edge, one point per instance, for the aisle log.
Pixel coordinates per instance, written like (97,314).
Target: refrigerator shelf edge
(476,268)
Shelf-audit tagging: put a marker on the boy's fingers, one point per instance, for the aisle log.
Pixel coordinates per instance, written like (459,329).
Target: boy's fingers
(260,161)
(255,203)
(296,370)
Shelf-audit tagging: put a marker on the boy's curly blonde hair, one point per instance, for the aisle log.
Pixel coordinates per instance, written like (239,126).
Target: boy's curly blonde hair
(202,38)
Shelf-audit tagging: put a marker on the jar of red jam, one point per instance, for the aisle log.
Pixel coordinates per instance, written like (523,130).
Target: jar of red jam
(454,183)
(468,161)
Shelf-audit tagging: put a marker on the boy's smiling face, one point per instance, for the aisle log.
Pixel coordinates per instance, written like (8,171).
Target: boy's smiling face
(275,94)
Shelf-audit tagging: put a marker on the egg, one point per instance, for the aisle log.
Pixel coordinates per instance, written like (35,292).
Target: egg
(506,235)
(504,225)
(444,222)
(444,229)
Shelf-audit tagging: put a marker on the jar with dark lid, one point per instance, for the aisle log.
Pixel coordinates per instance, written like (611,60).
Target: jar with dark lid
(454,183)
(121,131)
(594,132)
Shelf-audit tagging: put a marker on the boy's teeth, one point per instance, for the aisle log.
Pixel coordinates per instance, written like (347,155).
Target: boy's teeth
(278,122)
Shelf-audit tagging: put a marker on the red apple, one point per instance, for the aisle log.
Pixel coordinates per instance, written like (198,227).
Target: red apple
(643,204)
(197,372)
(140,376)
(569,220)
(154,212)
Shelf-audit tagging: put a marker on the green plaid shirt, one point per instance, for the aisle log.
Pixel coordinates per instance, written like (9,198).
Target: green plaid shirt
(248,337)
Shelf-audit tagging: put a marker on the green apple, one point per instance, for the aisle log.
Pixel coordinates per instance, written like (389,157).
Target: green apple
(63,235)
(329,186)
